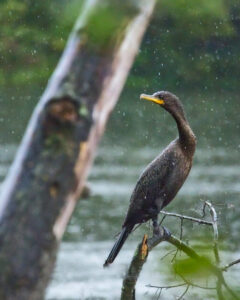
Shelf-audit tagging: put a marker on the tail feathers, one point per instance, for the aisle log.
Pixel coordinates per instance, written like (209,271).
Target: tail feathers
(118,245)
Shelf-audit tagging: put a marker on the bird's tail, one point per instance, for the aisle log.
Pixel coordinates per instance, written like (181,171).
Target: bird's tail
(118,245)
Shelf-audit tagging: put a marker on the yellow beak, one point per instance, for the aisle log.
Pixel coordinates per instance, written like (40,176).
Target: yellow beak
(151,98)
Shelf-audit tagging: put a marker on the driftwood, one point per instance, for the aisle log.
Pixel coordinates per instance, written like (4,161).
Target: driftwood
(52,163)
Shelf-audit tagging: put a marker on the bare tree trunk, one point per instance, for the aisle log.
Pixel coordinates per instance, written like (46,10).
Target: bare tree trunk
(52,163)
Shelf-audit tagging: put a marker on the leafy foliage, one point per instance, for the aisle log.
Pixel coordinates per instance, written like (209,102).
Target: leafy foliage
(32,37)
(191,268)
(191,43)
(187,43)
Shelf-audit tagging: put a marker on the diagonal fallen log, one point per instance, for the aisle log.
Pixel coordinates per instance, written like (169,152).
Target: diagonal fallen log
(52,163)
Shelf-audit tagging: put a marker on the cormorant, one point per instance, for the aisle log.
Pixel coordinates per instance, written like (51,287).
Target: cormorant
(163,177)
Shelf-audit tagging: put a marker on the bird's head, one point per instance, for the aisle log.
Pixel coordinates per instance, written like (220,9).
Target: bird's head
(167,100)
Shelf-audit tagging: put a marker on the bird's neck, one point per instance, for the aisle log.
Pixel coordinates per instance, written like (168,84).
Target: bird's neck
(187,138)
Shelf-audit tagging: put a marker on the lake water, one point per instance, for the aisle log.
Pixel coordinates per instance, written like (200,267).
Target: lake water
(136,133)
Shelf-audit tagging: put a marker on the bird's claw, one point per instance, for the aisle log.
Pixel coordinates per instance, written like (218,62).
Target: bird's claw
(159,230)
(166,232)
(156,230)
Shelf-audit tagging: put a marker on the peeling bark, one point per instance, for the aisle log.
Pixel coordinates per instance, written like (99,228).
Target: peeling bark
(130,279)
(52,163)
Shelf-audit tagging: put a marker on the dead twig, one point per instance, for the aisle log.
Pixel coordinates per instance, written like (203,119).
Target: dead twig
(199,221)
(181,234)
(190,283)
(215,229)
(225,268)
(219,290)
(160,288)
(140,257)
(167,286)
(168,253)
(184,293)
(163,218)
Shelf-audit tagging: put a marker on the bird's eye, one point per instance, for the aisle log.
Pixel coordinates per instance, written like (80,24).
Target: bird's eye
(159,95)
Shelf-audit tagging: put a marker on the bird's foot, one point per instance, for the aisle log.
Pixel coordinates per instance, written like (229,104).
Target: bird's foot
(156,230)
(156,227)
(159,230)
(166,232)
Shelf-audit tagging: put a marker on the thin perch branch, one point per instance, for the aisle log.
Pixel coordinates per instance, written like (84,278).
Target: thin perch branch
(129,283)
(225,268)
(188,282)
(184,293)
(200,221)
(167,286)
(215,229)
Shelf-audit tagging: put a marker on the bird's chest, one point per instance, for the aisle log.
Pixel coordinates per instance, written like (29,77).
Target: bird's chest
(166,179)
(175,175)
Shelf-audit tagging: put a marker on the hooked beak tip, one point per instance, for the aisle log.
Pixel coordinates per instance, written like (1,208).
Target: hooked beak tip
(151,98)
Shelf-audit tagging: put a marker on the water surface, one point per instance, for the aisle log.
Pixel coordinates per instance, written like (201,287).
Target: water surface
(136,133)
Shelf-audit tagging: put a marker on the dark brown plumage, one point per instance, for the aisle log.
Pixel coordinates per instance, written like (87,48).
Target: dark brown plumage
(163,177)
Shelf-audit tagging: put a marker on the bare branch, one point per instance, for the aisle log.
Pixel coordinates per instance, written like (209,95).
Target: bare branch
(184,293)
(231,292)
(174,256)
(170,287)
(186,282)
(219,290)
(181,229)
(163,234)
(129,282)
(181,234)
(158,293)
(190,283)
(200,221)
(167,286)
(215,229)
(140,257)
(163,218)
(183,247)
(168,253)
(225,268)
